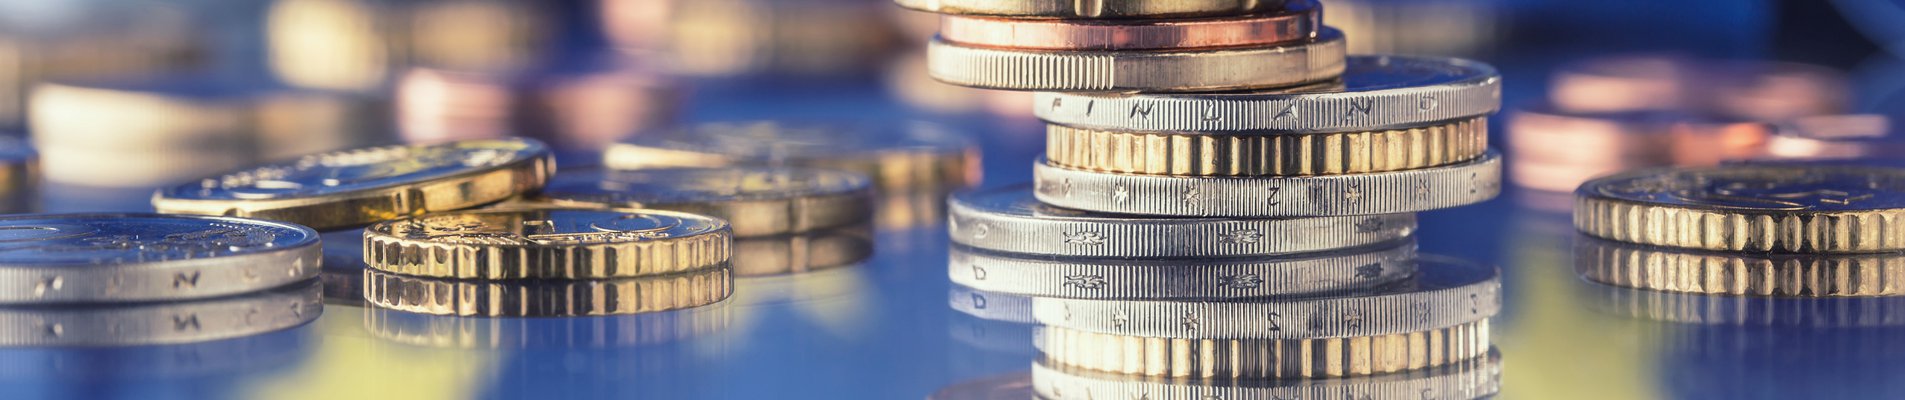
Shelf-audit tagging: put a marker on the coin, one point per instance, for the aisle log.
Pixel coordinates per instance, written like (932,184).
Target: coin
(1376,93)
(1200,154)
(163,323)
(83,258)
(1796,208)
(1222,278)
(1095,9)
(547,243)
(1445,292)
(754,201)
(548,298)
(1265,197)
(899,157)
(1009,219)
(1316,60)
(803,252)
(1475,378)
(159,133)
(362,186)
(1295,23)
(1751,274)
(1331,357)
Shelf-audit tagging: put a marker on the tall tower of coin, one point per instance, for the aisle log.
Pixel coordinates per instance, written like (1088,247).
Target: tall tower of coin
(1227,196)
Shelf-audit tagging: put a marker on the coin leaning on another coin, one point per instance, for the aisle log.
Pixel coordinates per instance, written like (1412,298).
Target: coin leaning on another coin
(362,186)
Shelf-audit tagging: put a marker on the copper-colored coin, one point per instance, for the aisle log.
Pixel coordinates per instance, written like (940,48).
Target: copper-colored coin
(1299,22)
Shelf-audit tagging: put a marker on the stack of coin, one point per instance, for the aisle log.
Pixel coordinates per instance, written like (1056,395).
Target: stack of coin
(911,165)
(135,279)
(1610,114)
(1277,218)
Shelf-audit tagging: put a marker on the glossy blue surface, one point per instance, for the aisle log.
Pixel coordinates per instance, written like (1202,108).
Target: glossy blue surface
(887,329)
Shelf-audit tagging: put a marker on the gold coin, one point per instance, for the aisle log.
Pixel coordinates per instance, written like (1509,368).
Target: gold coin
(754,201)
(1796,208)
(1265,358)
(1173,153)
(900,157)
(547,243)
(548,298)
(1757,274)
(362,186)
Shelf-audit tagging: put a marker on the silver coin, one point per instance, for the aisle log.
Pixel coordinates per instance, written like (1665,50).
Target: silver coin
(1215,278)
(1444,292)
(162,323)
(1378,92)
(1472,379)
(1009,219)
(78,258)
(1270,197)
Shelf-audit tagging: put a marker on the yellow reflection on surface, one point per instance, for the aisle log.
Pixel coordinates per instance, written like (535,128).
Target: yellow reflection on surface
(1558,348)
(350,364)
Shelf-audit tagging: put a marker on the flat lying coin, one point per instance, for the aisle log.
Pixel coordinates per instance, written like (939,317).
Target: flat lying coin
(1445,292)
(1214,278)
(1009,219)
(1315,60)
(1377,92)
(363,186)
(1798,208)
(548,243)
(1374,193)
(899,157)
(548,298)
(82,258)
(163,323)
(1094,8)
(1476,378)
(1752,274)
(1332,357)
(754,201)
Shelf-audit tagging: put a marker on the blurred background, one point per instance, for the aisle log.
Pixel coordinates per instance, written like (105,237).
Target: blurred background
(121,96)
